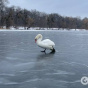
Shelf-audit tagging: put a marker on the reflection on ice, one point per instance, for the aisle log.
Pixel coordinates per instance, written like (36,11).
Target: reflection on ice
(36,79)
(45,56)
(25,64)
(59,72)
(4,74)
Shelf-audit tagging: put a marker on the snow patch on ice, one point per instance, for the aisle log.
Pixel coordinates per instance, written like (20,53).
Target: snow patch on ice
(6,82)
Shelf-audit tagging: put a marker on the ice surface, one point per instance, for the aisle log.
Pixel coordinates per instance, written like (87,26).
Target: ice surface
(22,65)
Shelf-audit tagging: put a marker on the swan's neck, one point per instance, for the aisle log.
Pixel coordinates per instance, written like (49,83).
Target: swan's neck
(39,40)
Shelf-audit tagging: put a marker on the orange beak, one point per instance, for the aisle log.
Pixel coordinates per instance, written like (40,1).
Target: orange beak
(35,40)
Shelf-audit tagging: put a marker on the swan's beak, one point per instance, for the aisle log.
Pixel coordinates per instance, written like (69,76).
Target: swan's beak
(35,40)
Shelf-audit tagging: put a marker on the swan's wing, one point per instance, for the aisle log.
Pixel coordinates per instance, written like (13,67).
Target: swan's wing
(48,42)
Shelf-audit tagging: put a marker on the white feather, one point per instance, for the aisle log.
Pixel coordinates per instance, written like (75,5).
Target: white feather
(46,44)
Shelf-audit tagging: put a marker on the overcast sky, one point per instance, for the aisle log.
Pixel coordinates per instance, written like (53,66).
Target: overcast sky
(72,8)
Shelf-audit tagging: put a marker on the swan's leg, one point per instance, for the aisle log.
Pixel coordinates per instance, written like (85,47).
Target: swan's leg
(44,50)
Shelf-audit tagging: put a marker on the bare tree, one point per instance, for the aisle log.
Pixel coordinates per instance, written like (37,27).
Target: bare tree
(3,4)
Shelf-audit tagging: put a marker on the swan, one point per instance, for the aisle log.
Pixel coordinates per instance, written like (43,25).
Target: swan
(45,44)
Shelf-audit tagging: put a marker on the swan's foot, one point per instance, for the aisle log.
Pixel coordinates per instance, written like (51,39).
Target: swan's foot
(44,51)
(53,51)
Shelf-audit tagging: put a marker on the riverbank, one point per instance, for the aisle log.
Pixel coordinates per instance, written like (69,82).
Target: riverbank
(37,29)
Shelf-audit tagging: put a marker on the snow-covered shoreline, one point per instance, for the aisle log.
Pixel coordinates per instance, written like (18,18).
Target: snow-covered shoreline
(40,29)
(43,30)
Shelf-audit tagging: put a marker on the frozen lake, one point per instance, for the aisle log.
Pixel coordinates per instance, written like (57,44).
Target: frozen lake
(22,65)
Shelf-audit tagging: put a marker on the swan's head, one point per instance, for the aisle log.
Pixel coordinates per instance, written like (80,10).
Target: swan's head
(38,37)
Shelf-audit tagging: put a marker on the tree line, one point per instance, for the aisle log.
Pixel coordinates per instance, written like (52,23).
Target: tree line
(17,17)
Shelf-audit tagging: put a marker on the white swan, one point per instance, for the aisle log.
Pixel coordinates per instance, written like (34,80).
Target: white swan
(46,44)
